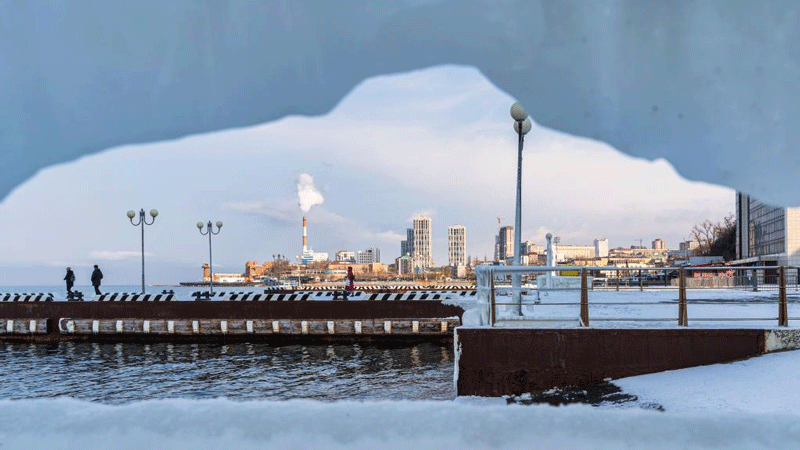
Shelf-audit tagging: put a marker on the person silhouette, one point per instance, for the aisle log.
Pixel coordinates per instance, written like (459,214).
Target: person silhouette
(97,275)
(70,279)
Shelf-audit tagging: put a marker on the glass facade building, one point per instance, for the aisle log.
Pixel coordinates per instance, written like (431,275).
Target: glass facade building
(766,234)
(767,229)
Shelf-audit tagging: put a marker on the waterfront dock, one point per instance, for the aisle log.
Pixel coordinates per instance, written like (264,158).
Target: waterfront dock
(306,316)
(559,339)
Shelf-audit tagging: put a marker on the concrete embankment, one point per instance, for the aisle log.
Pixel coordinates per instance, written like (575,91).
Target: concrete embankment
(228,320)
(494,362)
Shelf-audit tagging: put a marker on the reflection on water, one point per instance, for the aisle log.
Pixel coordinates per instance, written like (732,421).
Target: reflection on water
(120,373)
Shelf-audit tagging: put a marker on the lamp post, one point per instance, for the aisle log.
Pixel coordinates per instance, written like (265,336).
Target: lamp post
(522,125)
(142,223)
(209,231)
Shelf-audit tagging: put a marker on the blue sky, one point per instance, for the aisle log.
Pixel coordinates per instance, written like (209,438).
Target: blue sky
(437,141)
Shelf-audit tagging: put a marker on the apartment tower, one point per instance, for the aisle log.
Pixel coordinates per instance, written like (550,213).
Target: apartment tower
(456,245)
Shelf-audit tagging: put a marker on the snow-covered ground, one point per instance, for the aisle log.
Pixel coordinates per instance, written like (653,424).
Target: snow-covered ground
(462,424)
(766,384)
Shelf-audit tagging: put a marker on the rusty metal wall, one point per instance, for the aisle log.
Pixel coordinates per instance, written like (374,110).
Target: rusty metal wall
(496,362)
(330,310)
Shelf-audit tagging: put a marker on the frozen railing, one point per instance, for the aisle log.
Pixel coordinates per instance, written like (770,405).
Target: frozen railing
(494,280)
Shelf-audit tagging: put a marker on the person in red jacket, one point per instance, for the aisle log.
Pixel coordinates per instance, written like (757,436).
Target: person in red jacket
(349,286)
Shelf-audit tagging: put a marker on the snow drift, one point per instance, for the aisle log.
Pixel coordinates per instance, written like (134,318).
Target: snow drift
(64,423)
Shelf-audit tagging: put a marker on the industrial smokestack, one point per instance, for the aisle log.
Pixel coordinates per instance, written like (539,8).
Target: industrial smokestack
(305,242)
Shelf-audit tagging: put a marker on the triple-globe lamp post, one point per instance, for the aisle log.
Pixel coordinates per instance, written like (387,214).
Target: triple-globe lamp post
(210,231)
(522,125)
(142,222)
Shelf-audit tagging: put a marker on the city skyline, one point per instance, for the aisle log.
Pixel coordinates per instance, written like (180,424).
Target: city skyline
(437,142)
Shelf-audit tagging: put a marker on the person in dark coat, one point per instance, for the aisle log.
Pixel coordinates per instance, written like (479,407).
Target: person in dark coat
(97,275)
(70,279)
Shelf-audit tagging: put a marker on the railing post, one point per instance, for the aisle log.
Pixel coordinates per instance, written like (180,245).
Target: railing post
(682,313)
(584,299)
(797,279)
(783,317)
(755,280)
(492,310)
(640,281)
(617,280)
(666,277)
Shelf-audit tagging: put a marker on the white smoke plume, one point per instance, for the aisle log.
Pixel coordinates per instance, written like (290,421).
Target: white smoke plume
(307,194)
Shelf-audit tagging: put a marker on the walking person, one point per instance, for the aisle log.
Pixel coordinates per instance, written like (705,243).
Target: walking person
(350,285)
(70,279)
(97,275)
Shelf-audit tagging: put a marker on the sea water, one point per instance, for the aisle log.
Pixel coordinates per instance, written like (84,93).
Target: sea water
(127,372)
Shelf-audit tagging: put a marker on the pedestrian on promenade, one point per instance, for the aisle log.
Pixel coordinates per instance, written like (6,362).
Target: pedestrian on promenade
(97,275)
(350,280)
(70,279)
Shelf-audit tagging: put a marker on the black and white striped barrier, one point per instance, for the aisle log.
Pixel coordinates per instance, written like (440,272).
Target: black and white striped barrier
(187,327)
(135,297)
(39,297)
(23,326)
(330,295)
(453,287)
(275,297)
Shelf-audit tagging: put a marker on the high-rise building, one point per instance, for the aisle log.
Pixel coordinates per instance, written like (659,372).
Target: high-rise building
(506,243)
(601,248)
(766,234)
(456,245)
(659,244)
(407,246)
(422,254)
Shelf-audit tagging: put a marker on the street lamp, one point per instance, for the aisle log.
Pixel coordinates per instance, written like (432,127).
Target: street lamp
(142,223)
(522,125)
(209,231)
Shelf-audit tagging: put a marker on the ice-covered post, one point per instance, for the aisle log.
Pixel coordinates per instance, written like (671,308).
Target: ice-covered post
(492,306)
(584,299)
(550,260)
(783,314)
(522,125)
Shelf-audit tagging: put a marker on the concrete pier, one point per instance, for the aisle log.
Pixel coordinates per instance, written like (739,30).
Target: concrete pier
(306,320)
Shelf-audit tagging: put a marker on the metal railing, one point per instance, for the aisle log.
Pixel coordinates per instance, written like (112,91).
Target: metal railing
(754,279)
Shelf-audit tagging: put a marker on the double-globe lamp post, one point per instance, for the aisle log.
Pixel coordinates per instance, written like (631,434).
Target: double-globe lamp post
(210,231)
(522,125)
(142,222)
